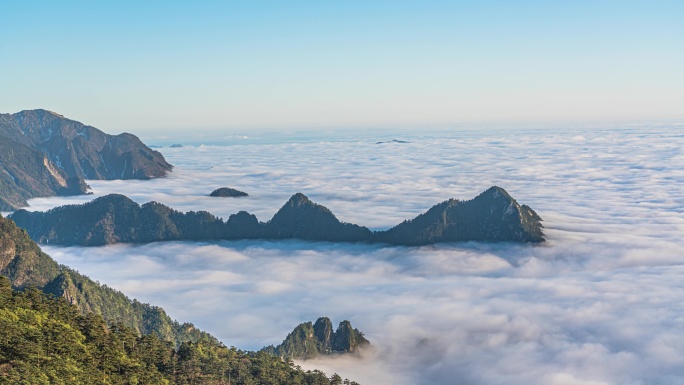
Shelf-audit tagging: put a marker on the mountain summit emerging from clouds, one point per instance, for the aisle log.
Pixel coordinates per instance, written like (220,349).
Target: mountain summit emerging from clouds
(493,216)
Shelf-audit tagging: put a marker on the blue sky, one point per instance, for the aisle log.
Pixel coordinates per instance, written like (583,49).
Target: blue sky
(249,64)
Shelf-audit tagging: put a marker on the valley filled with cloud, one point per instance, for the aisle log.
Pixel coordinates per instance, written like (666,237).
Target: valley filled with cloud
(598,303)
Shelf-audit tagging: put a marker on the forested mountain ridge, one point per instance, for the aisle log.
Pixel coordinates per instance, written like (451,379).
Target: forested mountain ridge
(309,340)
(492,216)
(43,153)
(46,340)
(24,264)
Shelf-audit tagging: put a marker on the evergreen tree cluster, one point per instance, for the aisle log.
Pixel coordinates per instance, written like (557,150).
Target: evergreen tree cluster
(46,340)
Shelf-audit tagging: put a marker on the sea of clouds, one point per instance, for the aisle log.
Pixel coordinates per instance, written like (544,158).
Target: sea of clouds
(600,303)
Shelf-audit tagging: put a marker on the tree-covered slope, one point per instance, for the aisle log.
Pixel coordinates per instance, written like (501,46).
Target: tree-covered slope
(46,340)
(309,340)
(24,264)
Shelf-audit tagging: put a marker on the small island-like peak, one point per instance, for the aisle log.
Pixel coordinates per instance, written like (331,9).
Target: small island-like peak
(227,192)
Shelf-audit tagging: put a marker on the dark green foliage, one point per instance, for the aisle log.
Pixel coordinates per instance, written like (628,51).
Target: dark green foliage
(493,216)
(227,192)
(43,154)
(22,261)
(46,340)
(309,341)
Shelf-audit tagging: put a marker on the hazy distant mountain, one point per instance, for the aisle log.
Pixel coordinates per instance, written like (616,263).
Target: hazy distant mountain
(309,340)
(493,216)
(45,154)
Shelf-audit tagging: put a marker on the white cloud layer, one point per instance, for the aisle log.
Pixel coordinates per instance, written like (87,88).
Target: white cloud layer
(600,303)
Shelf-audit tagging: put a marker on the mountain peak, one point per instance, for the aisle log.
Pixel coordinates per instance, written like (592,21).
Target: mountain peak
(308,341)
(301,218)
(42,111)
(496,192)
(299,199)
(118,199)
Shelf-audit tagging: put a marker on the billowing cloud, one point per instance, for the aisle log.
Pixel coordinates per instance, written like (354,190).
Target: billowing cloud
(599,303)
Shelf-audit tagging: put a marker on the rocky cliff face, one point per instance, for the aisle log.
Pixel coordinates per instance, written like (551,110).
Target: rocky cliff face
(52,155)
(309,340)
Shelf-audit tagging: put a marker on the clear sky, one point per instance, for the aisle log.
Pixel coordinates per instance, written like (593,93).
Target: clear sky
(127,65)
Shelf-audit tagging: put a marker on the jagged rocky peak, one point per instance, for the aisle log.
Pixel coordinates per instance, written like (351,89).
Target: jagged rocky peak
(323,331)
(347,339)
(309,341)
(300,199)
